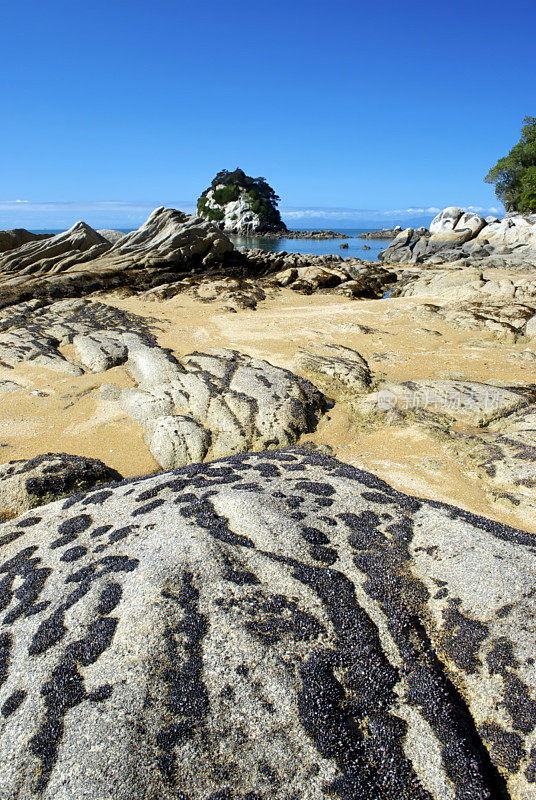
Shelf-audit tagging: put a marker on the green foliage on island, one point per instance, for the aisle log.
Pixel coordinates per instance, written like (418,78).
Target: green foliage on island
(214,214)
(226,194)
(514,175)
(228,186)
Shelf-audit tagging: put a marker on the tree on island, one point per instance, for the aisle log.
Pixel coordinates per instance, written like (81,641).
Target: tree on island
(514,175)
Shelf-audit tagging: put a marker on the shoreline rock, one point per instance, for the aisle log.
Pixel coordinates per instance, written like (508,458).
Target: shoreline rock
(383,234)
(456,235)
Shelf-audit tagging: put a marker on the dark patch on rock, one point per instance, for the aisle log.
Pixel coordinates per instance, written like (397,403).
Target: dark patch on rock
(461,639)
(13,702)
(506,748)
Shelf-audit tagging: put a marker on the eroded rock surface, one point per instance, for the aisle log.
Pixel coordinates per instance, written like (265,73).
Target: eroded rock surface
(35,481)
(56,253)
(32,332)
(273,625)
(338,366)
(11,239)
(209,405)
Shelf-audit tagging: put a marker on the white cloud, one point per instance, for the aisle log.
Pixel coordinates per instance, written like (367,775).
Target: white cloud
(56,214)
(357,214)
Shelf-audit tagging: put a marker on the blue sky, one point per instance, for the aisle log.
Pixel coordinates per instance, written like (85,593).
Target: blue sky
(354,112)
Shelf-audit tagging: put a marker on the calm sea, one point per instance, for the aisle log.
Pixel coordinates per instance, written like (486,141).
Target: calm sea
(316,247)
(320,247)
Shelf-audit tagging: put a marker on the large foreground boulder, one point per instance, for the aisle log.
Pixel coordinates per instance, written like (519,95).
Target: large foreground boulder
(275,625)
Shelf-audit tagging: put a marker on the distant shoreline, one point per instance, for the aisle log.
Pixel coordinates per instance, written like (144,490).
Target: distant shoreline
(314,234)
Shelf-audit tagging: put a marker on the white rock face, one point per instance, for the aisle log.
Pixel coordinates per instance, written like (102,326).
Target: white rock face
(513,229)
(530,330)
(238,215)
(453,225)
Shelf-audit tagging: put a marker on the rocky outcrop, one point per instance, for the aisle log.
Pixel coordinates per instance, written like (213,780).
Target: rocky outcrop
(43,479)
(10,240)
(209,405)
(56,253)
(472,299)
(168,238)
(33,332)
(169,245)
(509,322)
(458,236)
(337,366)
(307,274)
(487,427)
(241,204)
(271,625)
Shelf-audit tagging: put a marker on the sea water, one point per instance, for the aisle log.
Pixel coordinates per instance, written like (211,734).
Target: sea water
(318,247)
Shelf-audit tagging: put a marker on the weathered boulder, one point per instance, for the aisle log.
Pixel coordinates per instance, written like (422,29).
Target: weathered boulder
(339,366)
(209,405)
(100,350)
(33,482)
(530,327)
(32,332)
(273,625)
(446,220)
(472,402)
(168,237)
(512,230)
(453,225)
(110,235)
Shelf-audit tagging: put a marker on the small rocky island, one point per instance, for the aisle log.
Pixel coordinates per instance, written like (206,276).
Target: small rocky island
(241,204)
(247,206)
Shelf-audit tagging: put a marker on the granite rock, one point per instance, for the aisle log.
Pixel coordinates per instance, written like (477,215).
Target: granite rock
(272,625)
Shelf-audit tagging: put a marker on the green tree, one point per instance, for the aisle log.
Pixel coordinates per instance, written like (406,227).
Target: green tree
(514,175)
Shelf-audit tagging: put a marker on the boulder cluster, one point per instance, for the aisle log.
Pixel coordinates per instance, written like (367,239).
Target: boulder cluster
(467,238)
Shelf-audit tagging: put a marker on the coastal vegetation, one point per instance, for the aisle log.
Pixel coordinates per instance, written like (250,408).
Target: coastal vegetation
(514,175)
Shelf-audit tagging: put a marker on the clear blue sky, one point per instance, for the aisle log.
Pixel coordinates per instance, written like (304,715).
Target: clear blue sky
(111,108)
